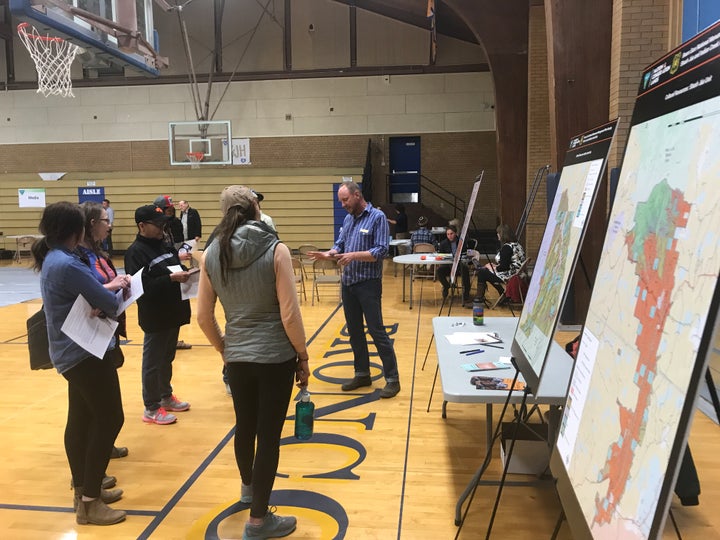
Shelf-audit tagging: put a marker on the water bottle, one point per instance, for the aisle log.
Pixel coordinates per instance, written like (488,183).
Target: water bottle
(304,411)
(478,312)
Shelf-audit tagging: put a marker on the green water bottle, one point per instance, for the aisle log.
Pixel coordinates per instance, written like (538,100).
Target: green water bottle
(304,411)
(478,312)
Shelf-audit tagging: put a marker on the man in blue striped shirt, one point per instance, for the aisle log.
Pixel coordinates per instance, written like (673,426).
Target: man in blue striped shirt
(360,250)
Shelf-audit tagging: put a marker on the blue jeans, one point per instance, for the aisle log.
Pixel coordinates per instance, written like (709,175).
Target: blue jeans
(158,355)
(364,299)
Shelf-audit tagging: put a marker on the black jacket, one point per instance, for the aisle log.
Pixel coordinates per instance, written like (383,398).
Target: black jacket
(445,247)
(194,224)
(161,307)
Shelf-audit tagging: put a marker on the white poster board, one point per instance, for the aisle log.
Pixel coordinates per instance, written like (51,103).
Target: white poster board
(31,198)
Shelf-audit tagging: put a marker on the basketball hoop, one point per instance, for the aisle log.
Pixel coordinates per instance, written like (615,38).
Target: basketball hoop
(53,57)
(195,158)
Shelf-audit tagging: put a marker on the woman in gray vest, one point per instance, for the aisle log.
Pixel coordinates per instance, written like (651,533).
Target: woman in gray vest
(263,345)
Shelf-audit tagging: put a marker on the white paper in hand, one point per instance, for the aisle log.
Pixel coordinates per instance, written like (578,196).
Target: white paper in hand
(92,333)
(135,291)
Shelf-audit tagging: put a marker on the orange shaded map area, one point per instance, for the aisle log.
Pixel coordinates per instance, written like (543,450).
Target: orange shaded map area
(652,247)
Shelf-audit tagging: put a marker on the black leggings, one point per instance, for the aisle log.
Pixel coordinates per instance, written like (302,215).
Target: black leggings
(485,276)
(95,416)
(261,395)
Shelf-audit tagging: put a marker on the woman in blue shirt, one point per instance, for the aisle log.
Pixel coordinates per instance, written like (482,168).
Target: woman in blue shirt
(95,413)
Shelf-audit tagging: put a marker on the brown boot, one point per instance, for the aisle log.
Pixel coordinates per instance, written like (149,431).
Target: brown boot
(96,512)
(108,496)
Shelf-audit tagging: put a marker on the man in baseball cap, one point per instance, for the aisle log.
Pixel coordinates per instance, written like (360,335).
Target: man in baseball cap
(151,213)
(163,201)
(161,312)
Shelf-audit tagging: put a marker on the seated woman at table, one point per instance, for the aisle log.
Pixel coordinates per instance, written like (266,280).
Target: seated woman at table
(507,262)
(450,245)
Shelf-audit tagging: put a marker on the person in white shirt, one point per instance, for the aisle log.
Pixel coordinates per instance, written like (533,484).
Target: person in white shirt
(263,216)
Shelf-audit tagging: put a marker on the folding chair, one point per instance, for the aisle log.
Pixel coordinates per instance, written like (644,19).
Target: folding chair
(22,248)
(325,272)
(515,287)
(306,261)
(299,277)
(423,271)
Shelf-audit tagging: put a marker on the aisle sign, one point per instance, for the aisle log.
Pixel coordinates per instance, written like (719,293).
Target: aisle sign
(95,194)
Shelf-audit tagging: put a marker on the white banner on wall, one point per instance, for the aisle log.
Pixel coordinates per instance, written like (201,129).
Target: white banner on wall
(31,198)
(241,152)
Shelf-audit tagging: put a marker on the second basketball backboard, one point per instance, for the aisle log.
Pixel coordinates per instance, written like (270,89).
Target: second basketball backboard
(203,143)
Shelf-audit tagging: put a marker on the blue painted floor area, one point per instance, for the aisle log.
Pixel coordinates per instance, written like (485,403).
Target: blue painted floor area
(18,285)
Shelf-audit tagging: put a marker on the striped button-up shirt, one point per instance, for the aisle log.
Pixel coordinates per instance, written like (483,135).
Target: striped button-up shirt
(367,232)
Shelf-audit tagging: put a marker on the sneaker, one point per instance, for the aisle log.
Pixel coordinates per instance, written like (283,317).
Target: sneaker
(246,494)
(391,390)
(174,404)
(356,382)
(159,416)
(273,526)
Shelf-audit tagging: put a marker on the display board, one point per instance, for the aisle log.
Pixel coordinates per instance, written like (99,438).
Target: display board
(582,171)
(654,305)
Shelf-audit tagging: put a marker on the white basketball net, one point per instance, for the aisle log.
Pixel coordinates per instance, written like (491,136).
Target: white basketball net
(195,158)
(53,57)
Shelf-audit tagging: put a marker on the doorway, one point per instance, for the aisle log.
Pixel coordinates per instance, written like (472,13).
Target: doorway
(404,177)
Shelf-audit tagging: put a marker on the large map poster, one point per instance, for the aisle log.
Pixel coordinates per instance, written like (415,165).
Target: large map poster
(584,164)
(649,323)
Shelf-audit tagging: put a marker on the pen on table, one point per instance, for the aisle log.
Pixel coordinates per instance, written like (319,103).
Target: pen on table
(494,346)
(474,352)
(471,351)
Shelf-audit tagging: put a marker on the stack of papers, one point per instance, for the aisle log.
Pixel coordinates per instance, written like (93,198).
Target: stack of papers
(472,338)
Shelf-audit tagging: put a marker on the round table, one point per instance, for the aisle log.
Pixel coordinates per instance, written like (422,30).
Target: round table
(414,259)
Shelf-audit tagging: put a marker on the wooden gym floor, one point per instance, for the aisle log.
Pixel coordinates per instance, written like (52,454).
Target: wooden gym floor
(376,469)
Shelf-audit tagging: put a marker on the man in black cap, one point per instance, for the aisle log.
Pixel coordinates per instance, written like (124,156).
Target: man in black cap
(263,216)
(161,312)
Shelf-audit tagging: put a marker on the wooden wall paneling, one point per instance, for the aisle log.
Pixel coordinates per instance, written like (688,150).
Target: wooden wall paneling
(299,200)
(502,29)
(579,48)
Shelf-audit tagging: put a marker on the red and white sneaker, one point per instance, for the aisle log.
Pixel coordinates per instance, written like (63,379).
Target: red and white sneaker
(159,416)
(173,404)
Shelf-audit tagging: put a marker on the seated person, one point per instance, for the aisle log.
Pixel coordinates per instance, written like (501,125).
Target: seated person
(449,245)
(423,235)
(507,262)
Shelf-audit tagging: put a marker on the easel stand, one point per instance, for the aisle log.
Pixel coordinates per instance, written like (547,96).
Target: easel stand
(476,480)
(521,417)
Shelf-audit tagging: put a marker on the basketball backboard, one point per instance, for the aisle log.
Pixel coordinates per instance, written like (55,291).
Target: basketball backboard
(110,32)
(211,138)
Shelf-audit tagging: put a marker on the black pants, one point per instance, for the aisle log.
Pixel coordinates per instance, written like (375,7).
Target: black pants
(687,485)
(95,416)
(443,275)
(261,395)
(485,276)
